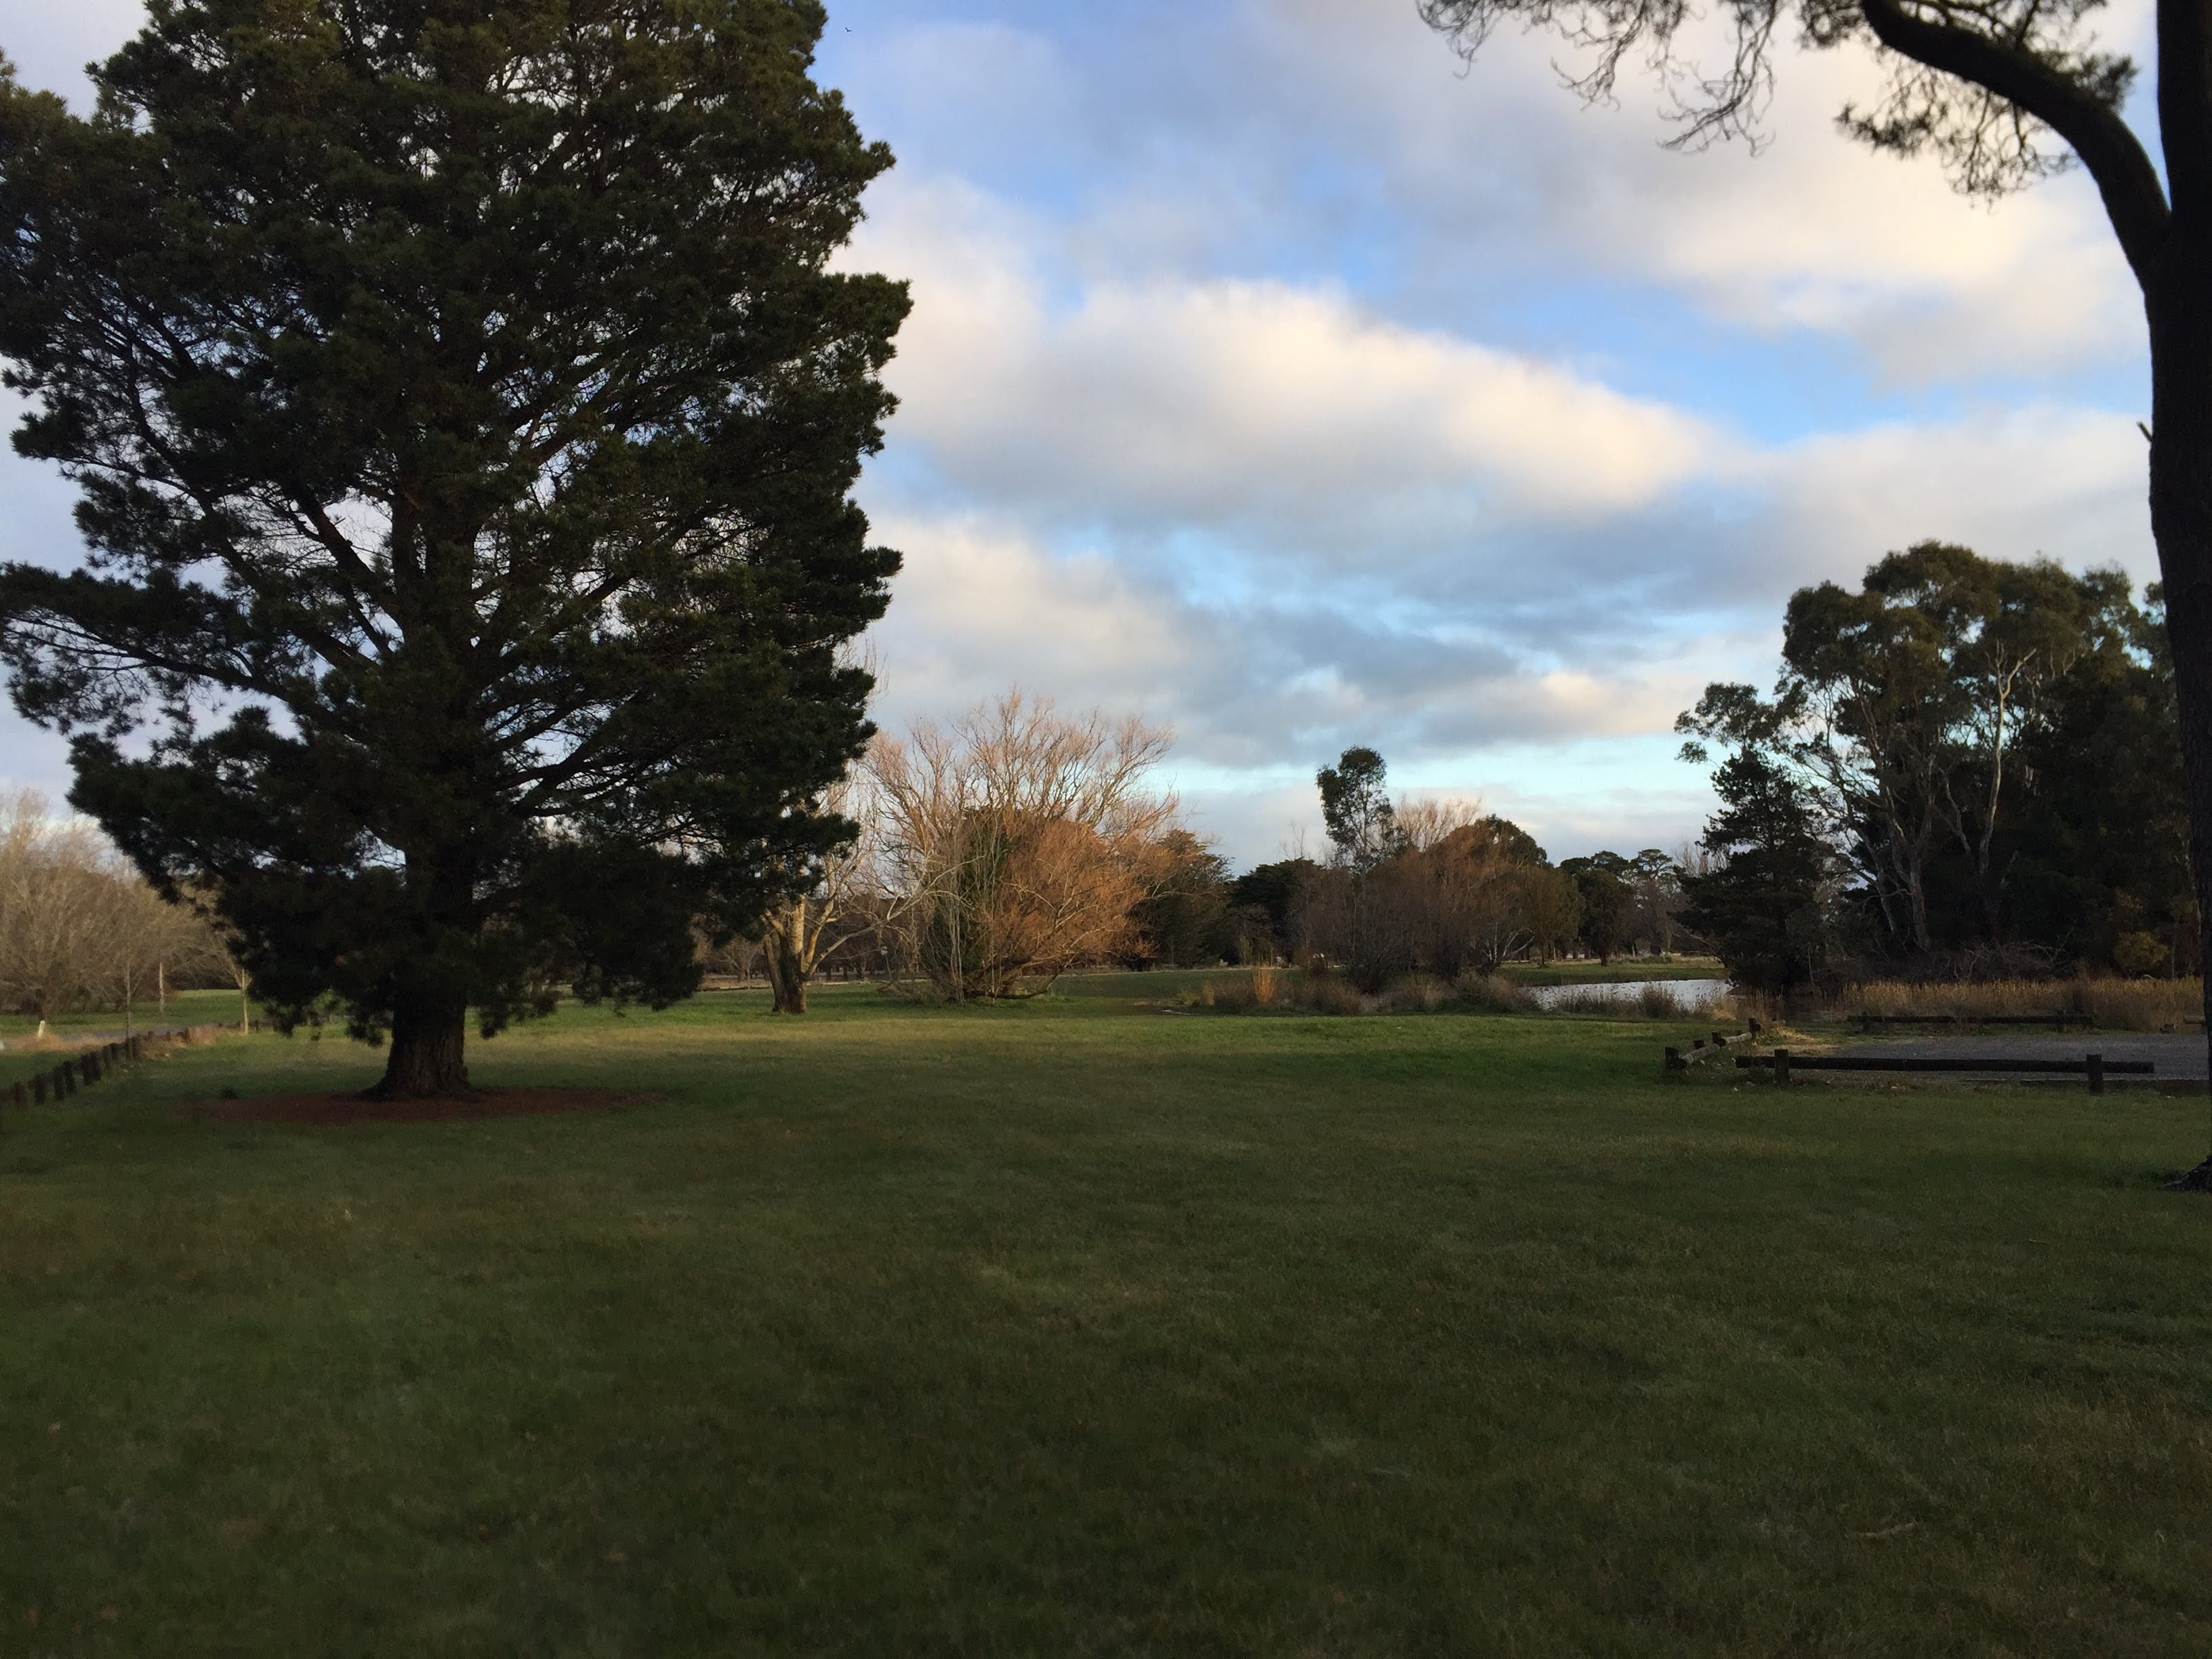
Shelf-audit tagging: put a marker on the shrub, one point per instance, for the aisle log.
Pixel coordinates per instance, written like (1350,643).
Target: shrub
(1422,994)
(1486,994)
(1325,994)
(1265,983)
(1316,990)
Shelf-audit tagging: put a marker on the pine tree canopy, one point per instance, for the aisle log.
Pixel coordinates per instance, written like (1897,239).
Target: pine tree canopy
(464,415)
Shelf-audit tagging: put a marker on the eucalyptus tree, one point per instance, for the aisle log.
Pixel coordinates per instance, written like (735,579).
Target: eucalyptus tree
(2002,93)
(1356,810)
(1904,703)
(464,415)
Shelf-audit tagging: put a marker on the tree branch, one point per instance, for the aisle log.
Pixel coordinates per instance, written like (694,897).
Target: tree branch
(2134,199)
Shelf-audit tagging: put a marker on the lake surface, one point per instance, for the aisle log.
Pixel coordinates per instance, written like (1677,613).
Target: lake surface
(1690,992)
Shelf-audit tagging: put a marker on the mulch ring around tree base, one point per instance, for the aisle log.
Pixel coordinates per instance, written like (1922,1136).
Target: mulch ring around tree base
(336,1110)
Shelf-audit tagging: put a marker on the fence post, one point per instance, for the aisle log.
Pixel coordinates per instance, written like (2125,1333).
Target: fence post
(2096,1074)
(1781,1068)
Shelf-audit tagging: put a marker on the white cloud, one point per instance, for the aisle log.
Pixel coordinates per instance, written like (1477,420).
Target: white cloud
(1306,135)
(1223,400)
(2013,483)
(979,608)
(1293,431)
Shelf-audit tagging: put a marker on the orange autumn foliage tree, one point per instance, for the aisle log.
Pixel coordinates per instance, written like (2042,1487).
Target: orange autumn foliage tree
(1016,842)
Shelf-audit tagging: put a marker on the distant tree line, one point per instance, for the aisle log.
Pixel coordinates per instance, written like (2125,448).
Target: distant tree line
(1967,766)
(80,929)
(1443,888)
(991,855)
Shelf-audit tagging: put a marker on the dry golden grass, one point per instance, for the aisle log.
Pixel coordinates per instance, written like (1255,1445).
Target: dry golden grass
(1656,999)
(2119,1004)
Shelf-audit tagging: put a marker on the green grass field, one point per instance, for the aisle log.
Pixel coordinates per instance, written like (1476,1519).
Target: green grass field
(183,1008)
(1080,1327)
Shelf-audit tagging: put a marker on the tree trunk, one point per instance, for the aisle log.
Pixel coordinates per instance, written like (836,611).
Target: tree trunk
(2181,523)
(784,945)
(427,1039)
(1916,895)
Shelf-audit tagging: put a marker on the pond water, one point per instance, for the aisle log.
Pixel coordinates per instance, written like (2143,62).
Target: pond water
(1690,992)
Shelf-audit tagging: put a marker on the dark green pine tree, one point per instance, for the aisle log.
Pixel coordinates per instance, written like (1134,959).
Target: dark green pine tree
(466,420)
(1609,907)
(1764,905)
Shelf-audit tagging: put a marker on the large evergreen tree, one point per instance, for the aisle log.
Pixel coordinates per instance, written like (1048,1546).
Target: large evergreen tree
(1763,903)
(1959,717)
(2097,854)
(1609,904)
(464,417)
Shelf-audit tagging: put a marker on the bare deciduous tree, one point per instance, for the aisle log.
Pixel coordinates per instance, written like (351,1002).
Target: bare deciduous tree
(57,877)
(78,927)
(1012,843)
(148,939)
(797,934)
(1425,823)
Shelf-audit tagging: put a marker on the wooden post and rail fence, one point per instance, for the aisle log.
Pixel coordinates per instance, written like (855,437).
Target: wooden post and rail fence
(2095,1068)
(1681,1059)
(82,1070)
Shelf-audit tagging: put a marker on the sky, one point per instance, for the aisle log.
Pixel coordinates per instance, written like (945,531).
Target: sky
(1275,376)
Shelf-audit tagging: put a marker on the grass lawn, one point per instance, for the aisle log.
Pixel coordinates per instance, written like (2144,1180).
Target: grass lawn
(1078,1328)
(185,1008)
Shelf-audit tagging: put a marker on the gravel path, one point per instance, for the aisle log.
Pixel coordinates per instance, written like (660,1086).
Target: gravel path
(2178,1057)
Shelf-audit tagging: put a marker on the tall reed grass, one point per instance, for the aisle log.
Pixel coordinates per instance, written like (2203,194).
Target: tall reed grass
(1655,999)
(2117,1005)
